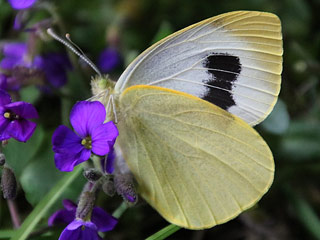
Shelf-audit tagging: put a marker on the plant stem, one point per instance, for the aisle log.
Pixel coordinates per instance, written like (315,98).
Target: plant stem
(164,233)
(14,213)
(120,210)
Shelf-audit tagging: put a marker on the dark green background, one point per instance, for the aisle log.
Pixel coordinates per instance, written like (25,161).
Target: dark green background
(288,211)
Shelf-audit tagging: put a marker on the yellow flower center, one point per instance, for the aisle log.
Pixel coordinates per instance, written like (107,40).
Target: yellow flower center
(7,115)
(86,142)
(11,116)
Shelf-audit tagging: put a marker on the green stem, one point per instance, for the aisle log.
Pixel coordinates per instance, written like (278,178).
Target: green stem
(164,232)
(14,213)
(120,210)
(45,204)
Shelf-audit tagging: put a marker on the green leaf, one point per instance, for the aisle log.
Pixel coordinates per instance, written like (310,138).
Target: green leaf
(165,29)
(41,209)
(278,121)
(30,94)
(5,234)
(39,176)
(304,212)
(18,154)
(301,141)
(164,233)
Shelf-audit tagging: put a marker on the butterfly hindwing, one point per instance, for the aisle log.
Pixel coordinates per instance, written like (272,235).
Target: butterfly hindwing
(233,60)
(197,164)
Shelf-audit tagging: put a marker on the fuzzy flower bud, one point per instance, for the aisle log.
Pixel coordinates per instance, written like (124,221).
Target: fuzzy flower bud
(85,205)
(92,175)
(108,187)
(8,183)
(124,186)
(2,159)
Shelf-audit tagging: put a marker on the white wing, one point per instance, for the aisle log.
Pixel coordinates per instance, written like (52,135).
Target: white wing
(233,60)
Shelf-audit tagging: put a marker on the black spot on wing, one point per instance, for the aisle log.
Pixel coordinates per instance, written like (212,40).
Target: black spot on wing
(223,70)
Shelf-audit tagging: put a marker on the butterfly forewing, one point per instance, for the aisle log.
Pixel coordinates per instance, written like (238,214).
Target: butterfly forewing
(197,164)
(233,60)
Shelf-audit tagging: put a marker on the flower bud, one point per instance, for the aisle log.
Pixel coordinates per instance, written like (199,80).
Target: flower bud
(108,187)
(2,159)
(8,183)
(92,174)
(85,206)
(124,186)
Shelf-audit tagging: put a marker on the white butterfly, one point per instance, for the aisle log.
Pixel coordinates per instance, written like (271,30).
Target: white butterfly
(196,162)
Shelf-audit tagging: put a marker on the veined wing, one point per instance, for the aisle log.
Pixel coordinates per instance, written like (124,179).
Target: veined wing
(195,163)
(233,60)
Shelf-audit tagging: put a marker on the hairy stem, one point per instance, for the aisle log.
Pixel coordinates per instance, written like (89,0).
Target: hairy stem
(14,213)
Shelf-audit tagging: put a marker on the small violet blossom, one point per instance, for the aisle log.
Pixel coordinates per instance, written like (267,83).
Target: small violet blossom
(13,119)
(108,162)
(15,55)
(92,136)
(109,59)
(54,66)
(19,67)
(79,229)
(21,4)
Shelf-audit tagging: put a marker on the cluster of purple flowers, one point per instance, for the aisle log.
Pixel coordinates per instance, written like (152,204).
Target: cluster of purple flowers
(92,136)
(78,228)
(22,66)
(18,69)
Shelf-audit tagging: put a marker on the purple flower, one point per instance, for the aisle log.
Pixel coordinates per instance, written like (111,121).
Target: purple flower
(13,118)
(54,66)
(15,54)
(108,60)
(64,216)
(21,4)
(108,162)
(92,135)
(3,82)
(78,229)
(20,68)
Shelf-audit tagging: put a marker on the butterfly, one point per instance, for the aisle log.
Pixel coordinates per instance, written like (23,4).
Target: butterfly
(185,109)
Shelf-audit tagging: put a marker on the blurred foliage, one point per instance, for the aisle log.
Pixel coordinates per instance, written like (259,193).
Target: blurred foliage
(290,210)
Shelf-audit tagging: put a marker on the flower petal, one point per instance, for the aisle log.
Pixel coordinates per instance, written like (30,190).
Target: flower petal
(104,221)
(65,140)
(54,66)
(102,137)
(107,163)
(21,4)
(62,216)
(23,109)
(15,50)
(75,224)
(89,234)
(70,234)
(21,130)
(65,161)
(108,60)
(3,82)
(4,135)
(69,205)
(4,98)
(86,116)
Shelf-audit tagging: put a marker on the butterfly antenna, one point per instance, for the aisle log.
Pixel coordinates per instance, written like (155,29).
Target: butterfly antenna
(75,45)
(75,49)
